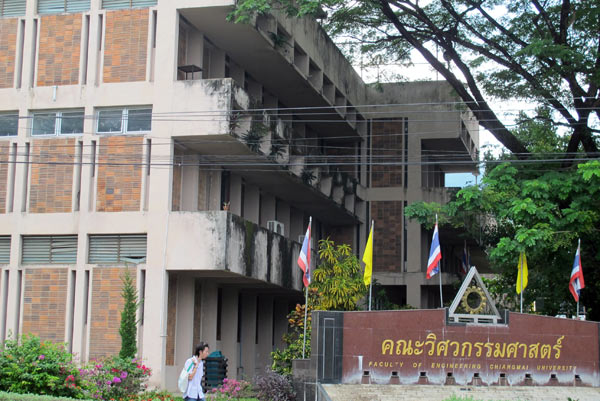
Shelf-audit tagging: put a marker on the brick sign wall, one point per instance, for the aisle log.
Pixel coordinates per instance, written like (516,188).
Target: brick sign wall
(418,346)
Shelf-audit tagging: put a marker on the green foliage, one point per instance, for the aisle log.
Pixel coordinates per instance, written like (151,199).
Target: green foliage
(338,279)
(294,338)
(541,210)
(128,329)
(31,397)
(114,378)
(38,367)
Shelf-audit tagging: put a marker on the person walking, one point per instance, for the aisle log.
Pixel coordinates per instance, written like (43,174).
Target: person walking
(194,391)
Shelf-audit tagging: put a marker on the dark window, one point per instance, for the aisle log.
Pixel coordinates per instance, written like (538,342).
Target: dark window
(9,123)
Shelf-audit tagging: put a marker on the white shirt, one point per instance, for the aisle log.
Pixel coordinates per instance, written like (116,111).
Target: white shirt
(194,388)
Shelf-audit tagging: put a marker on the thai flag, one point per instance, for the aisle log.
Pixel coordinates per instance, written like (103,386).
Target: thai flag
(304,258)
(576,283)
(435,255)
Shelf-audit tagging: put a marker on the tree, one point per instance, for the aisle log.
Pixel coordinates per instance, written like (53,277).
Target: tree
(128,329)
(338,278)
(543,51)
(538,209)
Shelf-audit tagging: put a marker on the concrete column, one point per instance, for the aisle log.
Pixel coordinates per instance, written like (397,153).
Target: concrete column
(229,322)
(217,64)
(189,185)
(251,203)
(235,194)
(280,312)
(267,212)
(184,329)
(265,334)
(283,215)
(296,224)
(247,343)
(208,319)
(413,295)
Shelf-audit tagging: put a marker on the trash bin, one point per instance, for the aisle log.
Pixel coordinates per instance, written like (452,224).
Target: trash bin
(215,370)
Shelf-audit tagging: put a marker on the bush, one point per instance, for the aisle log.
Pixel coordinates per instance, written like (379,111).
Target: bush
(114,378)
(231,389)
(38,367)
(30,397)
(274,387)
(153,395)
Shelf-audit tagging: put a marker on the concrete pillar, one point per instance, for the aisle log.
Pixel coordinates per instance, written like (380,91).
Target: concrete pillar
(235,194)
(296,224)
(283,215)
(189,184)
(229,329)
(267,209)
(208,319)
(251,203)
(247,343)
(265,334)
(413,295)
(217,63)
(280,312)
(184,329)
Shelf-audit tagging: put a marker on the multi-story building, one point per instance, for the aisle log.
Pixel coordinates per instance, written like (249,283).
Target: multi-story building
(155,136)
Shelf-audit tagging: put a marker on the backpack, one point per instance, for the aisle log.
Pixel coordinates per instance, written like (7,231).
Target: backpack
(182,382)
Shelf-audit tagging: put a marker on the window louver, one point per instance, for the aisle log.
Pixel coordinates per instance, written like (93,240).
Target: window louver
(55,249)
(116,4)
(5,250)
(124,248)
(61,6)
(12,8)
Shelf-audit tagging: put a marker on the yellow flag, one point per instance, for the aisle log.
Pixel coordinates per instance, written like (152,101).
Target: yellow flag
(368,259)
(522,268)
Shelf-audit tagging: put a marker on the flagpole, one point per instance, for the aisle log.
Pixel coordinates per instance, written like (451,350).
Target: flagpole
(371,282)
(306,298)
(578,250)
(521,275)
(440,272)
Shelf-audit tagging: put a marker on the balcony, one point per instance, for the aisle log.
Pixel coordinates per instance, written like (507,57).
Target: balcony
(220,244)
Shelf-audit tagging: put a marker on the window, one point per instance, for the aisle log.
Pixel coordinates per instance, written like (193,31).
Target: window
(114,121)
(57,123)
(12,8)
(115,4)
(62,6)
(5,249)
(42,249)
(118,248)
(9,123)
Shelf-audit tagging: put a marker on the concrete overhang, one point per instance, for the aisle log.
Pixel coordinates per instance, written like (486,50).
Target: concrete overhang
(450,154)
(249,48)
(231,154)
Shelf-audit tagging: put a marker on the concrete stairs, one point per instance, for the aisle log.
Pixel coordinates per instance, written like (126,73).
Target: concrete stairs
(374,392)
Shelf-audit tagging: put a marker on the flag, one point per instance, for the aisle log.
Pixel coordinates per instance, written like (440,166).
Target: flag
(435,255)
(304,258)
(576,282)
(368,259)
(466,260)
(522,274)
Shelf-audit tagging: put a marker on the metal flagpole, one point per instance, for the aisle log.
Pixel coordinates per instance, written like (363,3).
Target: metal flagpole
(521,275)
(306,298)
(439,268)
(371,281)
(305,316)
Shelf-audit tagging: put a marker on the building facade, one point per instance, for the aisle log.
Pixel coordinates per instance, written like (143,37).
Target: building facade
(155,136)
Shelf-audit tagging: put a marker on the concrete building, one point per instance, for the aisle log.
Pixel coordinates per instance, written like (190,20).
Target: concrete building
(157,137)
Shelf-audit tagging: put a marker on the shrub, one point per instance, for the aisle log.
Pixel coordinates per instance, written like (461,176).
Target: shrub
(38,367)
(231,389)
(30,397)
(114,378)
(274,387)
(153,395)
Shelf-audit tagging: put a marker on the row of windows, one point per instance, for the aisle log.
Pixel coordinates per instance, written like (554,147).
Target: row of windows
(70,122)
(62,249)
(16,8)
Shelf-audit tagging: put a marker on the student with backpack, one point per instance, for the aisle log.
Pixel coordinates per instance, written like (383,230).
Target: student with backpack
(190,379)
